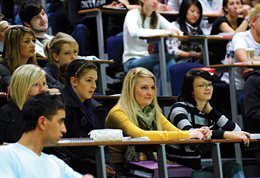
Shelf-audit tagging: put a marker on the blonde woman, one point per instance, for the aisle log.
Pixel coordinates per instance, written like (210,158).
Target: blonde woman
(138,114)
(19,49)
(60,50)
(27,80)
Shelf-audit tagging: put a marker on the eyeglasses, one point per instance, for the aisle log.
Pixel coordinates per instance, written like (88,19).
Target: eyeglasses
(205,85)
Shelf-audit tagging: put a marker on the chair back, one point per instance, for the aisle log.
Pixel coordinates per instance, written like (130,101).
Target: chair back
(177,74)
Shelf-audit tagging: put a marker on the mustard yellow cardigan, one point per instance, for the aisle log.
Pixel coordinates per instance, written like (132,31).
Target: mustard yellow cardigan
(118,119)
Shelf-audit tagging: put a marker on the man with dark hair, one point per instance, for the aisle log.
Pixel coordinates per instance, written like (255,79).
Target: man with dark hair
(34,16)
(44,116)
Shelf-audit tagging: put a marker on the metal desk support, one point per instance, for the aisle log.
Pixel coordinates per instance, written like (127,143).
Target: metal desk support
(100,160)
(163,172)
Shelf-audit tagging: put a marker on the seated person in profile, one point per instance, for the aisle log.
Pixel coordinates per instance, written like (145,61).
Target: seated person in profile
(3,27)
(60,50)
(138,114)
(26,81)
(193,110)
(43,116)
(188,22)
(19,49)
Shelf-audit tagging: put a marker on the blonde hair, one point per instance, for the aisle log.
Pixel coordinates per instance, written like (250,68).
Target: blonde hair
(55,44)
(255,11)
(22,80)
(11,51)
(127,99)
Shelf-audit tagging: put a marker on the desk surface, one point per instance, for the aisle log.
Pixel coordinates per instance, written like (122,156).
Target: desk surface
(71,142)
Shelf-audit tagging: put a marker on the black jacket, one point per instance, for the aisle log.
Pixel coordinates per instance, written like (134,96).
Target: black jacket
(252,101)
(5,75)
(11,123)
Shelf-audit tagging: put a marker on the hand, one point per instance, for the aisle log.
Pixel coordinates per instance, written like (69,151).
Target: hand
(195,54)
(206,132)
(88,176)
(53,91)
(163,7)
(196,134)
(245,136)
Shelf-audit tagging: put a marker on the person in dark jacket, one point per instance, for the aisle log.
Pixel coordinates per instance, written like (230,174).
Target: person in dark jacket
(252,101)
(60,50)
(27,80)
(81,77)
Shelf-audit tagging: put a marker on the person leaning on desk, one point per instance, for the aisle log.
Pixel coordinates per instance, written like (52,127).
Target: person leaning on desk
(193,110)
(138,114)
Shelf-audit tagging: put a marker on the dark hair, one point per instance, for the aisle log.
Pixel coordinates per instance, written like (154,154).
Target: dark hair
(30,9)
(42,104)
(187,87)
(224,4)
(77,68)
(184,7)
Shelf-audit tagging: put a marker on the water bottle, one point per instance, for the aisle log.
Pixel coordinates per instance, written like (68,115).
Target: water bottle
(229,58)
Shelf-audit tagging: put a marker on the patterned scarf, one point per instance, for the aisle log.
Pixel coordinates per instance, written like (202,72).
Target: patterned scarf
(146,121)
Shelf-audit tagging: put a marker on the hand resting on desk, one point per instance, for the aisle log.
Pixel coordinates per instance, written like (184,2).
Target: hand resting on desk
(245,136)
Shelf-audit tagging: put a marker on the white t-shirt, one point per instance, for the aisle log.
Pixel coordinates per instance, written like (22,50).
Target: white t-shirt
(39,45)
(242,40)
(19,161)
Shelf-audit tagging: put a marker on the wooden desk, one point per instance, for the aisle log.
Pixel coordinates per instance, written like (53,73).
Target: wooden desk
(166,91)
(160,149)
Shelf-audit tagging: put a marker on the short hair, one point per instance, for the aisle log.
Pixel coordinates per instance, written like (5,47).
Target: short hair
(43,104)
(255,11)
(188,88)
(77,68)
(30,9)
(127,99)
(55,44)
(184,7)
(11,51)
(22,80)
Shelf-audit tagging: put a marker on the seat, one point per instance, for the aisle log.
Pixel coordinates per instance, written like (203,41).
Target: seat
(115,48)
(177,74)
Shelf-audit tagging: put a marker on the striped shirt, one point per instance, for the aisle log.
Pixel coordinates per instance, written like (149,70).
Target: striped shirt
(186,116)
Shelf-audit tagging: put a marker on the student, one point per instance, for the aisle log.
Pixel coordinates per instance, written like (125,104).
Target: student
(34,16)
(19,49)
(60,50)
(229,23)
(138,114)
(243,40)
(188,22)
(27,80)
(193,110)
(81,77)
(142,21)
(43,117)
(252,102)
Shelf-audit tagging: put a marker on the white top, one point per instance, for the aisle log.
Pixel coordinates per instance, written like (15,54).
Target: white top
(211,5)
(39,46)
(242,40)
(133,46)
(19,161)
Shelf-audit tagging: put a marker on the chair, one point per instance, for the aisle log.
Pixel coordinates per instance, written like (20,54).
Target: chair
(115,48)
(177,74)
